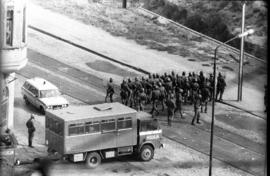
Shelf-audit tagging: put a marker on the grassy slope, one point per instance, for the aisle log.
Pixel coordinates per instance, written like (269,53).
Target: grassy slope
(230,13)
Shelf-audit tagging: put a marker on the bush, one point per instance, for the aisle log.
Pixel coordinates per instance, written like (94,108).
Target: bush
(154,4)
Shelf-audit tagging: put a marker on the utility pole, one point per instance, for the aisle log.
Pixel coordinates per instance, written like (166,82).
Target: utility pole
(240,73)
(124,4)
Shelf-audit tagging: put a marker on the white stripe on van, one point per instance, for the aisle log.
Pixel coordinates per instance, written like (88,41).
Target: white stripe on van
(143,133)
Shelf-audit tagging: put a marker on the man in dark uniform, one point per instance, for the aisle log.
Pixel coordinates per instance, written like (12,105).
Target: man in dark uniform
(163,95)
(178,101)
(131,87)
(170,107)
(110,90)
(141,99)
(201,80)
(205,98)
(125,92)
(210,84)
(31,129)
(221,84)
(154,98)
(197,104)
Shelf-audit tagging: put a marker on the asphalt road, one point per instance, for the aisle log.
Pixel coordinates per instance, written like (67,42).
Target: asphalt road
(229,147)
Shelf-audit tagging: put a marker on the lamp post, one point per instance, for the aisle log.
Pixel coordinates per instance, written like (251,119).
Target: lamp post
(240,73)
(248,32)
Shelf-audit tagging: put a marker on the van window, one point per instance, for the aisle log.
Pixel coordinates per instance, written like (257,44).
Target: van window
(33,90)
(92,127)
(124,123)
(75,129)
(26,85)
(108,125)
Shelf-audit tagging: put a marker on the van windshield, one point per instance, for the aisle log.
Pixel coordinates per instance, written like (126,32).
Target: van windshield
(149,125)
(49,93)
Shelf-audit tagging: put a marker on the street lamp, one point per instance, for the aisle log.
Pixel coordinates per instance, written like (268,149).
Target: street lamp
(248,32)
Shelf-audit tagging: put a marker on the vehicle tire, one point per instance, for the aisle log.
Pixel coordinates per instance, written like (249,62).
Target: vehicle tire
(92,160)
(146,153)
(26,100)
(42,110)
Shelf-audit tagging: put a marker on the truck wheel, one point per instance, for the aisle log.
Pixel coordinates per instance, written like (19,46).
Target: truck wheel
(146,153)
(92,160)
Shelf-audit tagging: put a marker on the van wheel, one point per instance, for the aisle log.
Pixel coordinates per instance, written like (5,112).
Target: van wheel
(92,160)
(42,110)
(26,100)
(146,153)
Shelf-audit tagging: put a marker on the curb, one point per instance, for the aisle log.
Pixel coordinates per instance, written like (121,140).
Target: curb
(89,50)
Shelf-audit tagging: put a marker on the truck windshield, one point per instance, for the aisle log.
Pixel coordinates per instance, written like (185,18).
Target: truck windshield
(49,93)
(150,125)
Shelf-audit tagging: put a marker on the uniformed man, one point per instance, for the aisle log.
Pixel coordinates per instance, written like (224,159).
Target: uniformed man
(163,95)
(155,98)
(197,104)
(141,99)
(178,101)
(110,90)
(125,92)
(221,84)
(170,107)
(205,98)
(31,129)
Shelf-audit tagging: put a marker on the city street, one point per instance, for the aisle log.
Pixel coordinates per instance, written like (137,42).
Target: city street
(80,58)
(185,148)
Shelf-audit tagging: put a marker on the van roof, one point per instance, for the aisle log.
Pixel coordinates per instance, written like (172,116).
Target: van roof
(72,113)
(41,83)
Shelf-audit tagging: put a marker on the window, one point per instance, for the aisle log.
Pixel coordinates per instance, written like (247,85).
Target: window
(55,126)
(26,85)
(49,93)
(108,125)
(149,125)
(9,26)
(33,90)
(124,123)
(75,129)
(92,127)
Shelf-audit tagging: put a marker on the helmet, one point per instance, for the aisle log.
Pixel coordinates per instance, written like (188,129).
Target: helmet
(183,73)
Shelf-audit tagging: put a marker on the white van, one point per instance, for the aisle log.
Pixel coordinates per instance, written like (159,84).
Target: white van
(42,94)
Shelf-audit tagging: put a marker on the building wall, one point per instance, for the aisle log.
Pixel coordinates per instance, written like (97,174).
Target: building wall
(13,53)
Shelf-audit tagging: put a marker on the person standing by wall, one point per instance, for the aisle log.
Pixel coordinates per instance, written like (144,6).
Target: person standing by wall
(221,84)
(31,129)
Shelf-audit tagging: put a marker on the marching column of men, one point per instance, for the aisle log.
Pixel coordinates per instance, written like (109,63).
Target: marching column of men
(171,90)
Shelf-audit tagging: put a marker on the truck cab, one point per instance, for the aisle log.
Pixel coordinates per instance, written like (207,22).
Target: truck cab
(149,135)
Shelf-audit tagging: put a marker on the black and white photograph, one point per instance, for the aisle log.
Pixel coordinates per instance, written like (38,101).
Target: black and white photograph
(133,87)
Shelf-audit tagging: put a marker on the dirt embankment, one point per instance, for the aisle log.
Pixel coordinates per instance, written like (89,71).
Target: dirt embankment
(218,19)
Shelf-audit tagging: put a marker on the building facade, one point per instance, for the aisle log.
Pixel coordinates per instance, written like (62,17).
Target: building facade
(13,54)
